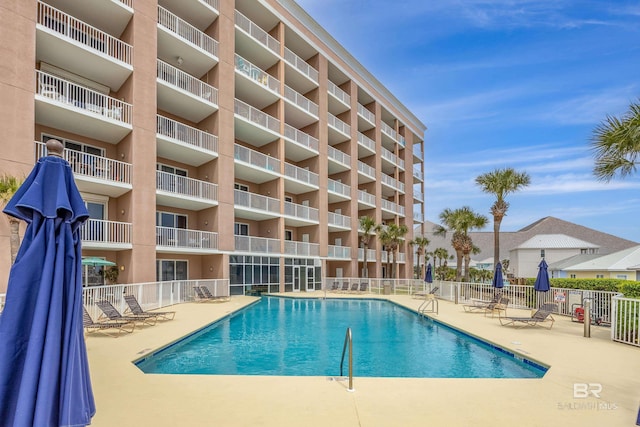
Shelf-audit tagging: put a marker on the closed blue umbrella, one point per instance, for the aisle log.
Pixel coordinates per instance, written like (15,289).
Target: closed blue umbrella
(542,281)
(44,372)
(498,281)
(428,277)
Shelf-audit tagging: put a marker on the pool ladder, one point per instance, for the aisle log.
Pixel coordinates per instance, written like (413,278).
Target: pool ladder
(348,340)
(430,305)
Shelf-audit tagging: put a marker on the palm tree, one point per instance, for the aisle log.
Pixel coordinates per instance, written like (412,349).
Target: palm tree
(440,255)
(500,183)
(420,242)
(616,144)
(367,225)
(460,221)
(390,236)
(8,187)
(385,239)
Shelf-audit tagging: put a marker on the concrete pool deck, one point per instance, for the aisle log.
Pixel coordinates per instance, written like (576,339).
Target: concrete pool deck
(127,397)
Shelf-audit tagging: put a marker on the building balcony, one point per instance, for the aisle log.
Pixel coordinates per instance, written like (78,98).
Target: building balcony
(170,239)
(338,161)
(418,176)
(181,192)
(298,109)
(338,192)
(366,119)
(418,157)
(301,75)
(365,173)
(299,145)
(255,206)
(80,48)
(256,245)
(184,144)
(390,135)
(418,217)
(339,100)
(254,43)
(198,51)
(390,159)
(392,208)
(111,16)
(401,257)
(366,200)
(366,146)
(296,215)
(338,252)
(418,196)
(299,180)
(254,85)
(339,131)
(254,126)
(371,255)
(199,13)
(301,248)
(64,105)
(253,166)
(391,183)
(338,222)
(182,94)
(95,174)
(106,235)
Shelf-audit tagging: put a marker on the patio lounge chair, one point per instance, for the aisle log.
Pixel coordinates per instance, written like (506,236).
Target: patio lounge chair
(137,310)
(355,286)
(498,307)
(364,287)
(117,326)
(543,314)
(345,287)
(204,294)
(427,294)
(113,314)
(481,305)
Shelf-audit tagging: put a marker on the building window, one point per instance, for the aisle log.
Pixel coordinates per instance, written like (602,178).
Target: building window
(621,276)
(240,229)
(599,276)
(573,276)
(288,235)
(241,187)
(169,269)
(541,253)
(171,220)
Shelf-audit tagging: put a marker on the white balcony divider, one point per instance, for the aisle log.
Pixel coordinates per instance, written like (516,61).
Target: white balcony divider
(366,114)
(338,124)
(256,74)
(301,248)
(257,33)
(187,82)
(341,252)
(392,182)
(338,187)
(187,31)
(187,134)
(417,173)
(256,201)
(388,155)
(366,169)
(76,96)
(401,140)
(300,211)
(300,65)
(625,326)
(366,142)
(343,96)
(300,174)
(185,186)
(257,245)
(83,33)
(338,220)
(91,165)
(367,198)
(103,231)
(186,239)
(255,158)
(256,116)
(300,137)
(301,101)
(338,156)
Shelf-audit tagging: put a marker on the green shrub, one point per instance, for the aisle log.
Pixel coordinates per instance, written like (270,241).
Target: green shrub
(630,289)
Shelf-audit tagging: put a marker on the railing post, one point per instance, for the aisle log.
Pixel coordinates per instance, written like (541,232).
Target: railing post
(587,318)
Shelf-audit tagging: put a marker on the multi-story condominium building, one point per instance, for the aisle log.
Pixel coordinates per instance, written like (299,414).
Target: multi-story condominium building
(210,139)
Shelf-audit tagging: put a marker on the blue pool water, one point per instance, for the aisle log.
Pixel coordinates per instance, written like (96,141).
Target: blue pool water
(305,337)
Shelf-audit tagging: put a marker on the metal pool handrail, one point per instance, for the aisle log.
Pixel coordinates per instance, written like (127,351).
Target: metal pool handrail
(348,340)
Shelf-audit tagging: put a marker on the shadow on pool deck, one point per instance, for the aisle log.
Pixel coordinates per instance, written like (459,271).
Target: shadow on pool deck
(127,397)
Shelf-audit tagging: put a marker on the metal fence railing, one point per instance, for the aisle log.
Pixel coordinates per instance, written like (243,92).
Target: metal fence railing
(625,327)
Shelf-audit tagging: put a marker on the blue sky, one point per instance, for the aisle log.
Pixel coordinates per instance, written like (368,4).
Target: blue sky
(506,83)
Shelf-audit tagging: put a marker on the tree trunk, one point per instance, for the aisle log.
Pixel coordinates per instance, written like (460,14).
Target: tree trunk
(366,269)
(14,239)
(497,220)
(467,259)
(458,265)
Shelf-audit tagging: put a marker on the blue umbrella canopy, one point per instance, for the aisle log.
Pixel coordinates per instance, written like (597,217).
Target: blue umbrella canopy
(498,281)
(44,373)
(428,277)
(542,280)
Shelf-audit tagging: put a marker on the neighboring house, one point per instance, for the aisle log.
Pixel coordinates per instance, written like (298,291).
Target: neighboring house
(618,265)
(556,269)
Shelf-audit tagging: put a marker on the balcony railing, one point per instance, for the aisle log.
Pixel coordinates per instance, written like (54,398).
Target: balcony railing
(367,142)
(257,245)
(257,33)
(258,202)
(90,101)
(187,82)
(418,217)
(108,232)
(417,173)
(187,31)
(300,211)
(366,169)
(256,74)
(186,239)
(338,156)
(371,255)
(80,32)
(300,174)
(338,93)
(388,155)
(338,220)
(417,151)
(366,114)
(255,158)
(301,248)
(184,186)
(392,207)
(91,165)
(256,116)
(367,198)
(187,134)
(301,101)
(341,252)
(338,187)
(338,124)
(392,182)
(299,64)
(215,4)
(300,137)
(417,195)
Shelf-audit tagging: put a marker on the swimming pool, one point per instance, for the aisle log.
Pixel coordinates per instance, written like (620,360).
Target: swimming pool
(305,337)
